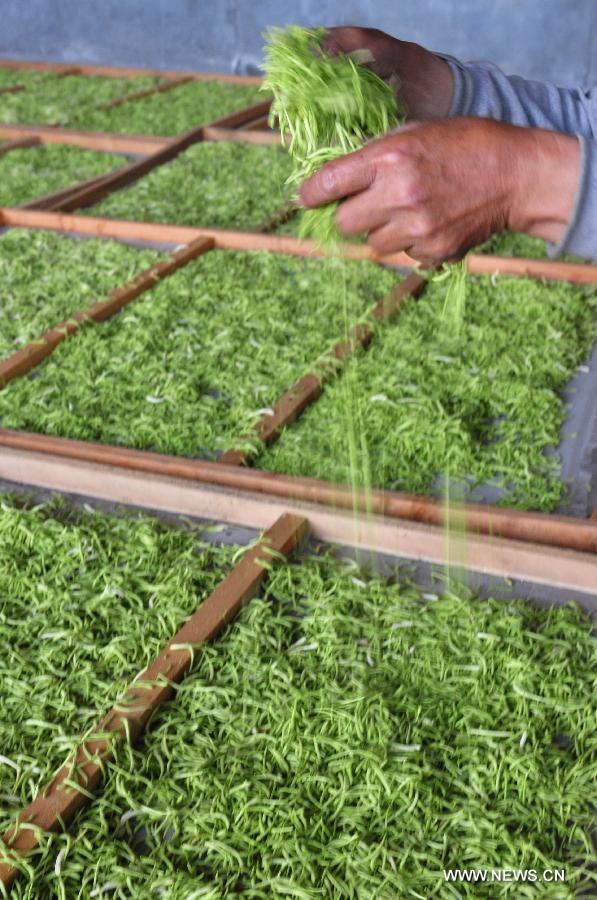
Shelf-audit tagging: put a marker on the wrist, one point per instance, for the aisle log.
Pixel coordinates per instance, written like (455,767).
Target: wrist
(546,175)
(426,81)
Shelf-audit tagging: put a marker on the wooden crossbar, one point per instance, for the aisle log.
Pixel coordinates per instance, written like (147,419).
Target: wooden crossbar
(105,141)
(13,89)
(564,532)
(121,229)
(19,144)
(161,88)
(57,199)
(218,497)
(139,144)
(125,71)
(550,269)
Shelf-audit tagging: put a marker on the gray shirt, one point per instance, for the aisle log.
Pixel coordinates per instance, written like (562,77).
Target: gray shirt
(482,89)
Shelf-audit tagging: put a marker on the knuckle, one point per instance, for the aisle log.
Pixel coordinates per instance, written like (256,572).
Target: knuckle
(416,192)
(423,225)
(328,180)
(390,158)
(415,186)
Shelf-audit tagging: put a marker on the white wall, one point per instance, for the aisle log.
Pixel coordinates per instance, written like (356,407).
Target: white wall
(551,39)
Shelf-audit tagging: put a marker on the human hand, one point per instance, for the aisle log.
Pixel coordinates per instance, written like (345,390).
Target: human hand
(425,80)
(436,189)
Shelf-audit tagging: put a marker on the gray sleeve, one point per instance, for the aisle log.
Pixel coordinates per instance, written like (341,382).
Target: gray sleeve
(580,236)
(482,89)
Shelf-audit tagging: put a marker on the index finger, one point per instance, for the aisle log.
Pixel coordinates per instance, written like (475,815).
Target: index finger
(338,179)
(343,39)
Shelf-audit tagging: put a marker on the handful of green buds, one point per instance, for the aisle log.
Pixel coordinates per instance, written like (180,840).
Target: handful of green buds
(455,300)
(327,106)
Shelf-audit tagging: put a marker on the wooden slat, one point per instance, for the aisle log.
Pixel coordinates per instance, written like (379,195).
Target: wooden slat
(564,532)
(210,501)
(69,70)
(284,412)
(36,65)
(240,135)
(242,240)
(147,92)
(57,199)
(20,144)
(125,71)
(13,89)
(89,140)
(308,388)
(259,123)
(121,229)
(278,217)
(242,116)
(55,807)
(552,269)
(35,352)
(93,193)
(141,144)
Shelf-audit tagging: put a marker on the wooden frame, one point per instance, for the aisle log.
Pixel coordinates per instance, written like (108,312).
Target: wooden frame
(139,144)
(87,192)
(73,786)
(556,531)
(124,71)
(564,532)
(214,500)
(290,405)
(122,229)
(91,193)
(155,151)
(549,530)
(546,549)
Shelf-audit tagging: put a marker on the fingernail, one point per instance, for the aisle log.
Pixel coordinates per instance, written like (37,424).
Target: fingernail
(328,180)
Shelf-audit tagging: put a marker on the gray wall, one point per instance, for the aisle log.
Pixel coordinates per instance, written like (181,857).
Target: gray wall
(552,39)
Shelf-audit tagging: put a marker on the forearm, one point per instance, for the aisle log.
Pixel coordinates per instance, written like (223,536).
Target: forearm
(544,182)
